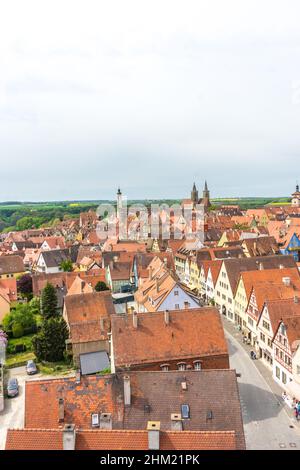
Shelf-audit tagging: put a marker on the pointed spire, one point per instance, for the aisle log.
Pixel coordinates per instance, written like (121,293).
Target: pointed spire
(205,186)
(119,191)
(297,187)
(194,187)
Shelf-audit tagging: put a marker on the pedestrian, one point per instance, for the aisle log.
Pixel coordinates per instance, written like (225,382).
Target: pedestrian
(298,409)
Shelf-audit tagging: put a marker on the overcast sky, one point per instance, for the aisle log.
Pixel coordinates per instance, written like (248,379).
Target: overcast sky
(148,95)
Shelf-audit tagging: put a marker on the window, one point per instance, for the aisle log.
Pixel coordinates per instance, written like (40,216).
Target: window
(266,325)
(164,367)
(298,370)
(95,420)
(182,366)
(176,306)
(185,411)
(197,365)
(262,337)
(277,372)
(283,378)
(176,292)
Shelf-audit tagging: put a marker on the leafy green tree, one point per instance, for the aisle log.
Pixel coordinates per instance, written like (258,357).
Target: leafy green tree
(101,286)
(21,315)
(35,305)
(50,343)
(49,301)
(66,266)
(17,330)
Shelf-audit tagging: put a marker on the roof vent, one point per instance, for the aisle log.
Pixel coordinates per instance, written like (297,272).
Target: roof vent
(286,281)
(209,415)
(134,320)
(176,422)
(153,428)
(184,385)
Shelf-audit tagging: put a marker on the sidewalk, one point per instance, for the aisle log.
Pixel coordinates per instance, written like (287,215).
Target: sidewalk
(266,373)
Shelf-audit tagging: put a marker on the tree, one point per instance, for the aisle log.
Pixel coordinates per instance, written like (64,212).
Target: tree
(21,315)
(50,343)
(49,302)
(24,285)
(35,305)
(17,330)
(101,286)
(66,266)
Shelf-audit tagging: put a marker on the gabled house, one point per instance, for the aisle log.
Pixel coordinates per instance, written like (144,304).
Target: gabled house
(162,290)
(272,312)
(88,319)
(285,343)
(269,285)
(229,276)
(11,266)
(132,411)
(169,340)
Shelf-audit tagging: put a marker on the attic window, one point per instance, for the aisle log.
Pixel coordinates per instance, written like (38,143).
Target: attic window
(185,411)
(95,420)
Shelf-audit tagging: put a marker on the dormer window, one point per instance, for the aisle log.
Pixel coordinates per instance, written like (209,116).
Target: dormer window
(181,366)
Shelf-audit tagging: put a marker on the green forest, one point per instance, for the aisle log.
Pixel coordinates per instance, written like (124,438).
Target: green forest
(17,216)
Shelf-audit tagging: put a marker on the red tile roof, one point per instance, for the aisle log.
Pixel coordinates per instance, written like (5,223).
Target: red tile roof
(194,332)
(40,439)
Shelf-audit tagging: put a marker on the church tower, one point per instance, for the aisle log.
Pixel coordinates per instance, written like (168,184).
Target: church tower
(119,202)
(206,197)
(194,195)
(296,197)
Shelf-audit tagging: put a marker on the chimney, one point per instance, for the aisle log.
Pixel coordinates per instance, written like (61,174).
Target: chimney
(281,266)
(176,422)
(127,390)
(134,320)
(102,324)
(153,428)
(261,266)
(167,317)
(286,281)
(165,262)
(61,410)
(296,299)
(69,437)
(150,272)
(105,421)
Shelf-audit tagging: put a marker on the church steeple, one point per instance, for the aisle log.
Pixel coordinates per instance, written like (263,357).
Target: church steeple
(194,195)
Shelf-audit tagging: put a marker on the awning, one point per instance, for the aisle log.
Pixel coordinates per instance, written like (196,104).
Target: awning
(91,363)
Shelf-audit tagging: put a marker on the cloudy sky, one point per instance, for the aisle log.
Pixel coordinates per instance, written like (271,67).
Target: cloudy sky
(149,96)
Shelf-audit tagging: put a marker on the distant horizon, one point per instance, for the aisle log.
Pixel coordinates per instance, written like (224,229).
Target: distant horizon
(12,202)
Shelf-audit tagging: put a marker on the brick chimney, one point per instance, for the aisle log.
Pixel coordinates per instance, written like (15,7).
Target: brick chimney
(105,421)
(69,437)
(134,320)
(153,428)
(127,390)
(167,317)
(286,281)
(61,410)
(176,422)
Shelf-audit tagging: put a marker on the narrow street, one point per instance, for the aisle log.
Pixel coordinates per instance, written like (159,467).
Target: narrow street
(267,423)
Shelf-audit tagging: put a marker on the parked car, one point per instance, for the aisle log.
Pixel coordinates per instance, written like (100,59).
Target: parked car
(31,368)
(12,388)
